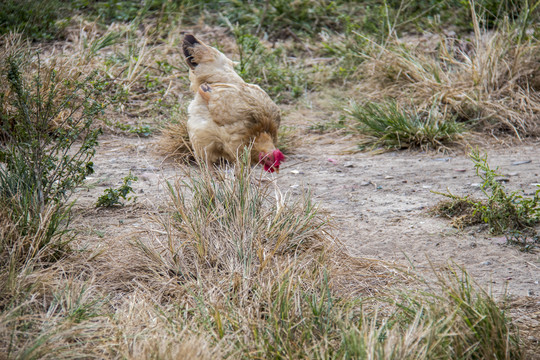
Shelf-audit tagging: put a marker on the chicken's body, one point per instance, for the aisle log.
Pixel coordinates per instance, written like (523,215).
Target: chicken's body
(228,114)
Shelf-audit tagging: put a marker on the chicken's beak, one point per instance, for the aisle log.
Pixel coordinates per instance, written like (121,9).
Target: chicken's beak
(277,170)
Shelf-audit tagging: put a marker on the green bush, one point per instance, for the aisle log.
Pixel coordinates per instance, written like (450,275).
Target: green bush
(46,142)
(504,211)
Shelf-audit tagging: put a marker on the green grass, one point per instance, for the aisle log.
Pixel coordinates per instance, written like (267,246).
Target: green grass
(38,20)
(388,125)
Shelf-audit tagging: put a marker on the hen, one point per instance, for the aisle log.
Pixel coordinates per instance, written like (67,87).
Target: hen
(228,114)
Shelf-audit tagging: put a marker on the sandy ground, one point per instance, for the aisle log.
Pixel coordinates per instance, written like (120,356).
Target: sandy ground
(379,204)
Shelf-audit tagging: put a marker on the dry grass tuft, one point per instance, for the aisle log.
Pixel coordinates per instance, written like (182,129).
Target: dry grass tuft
(174,139)
(462,212)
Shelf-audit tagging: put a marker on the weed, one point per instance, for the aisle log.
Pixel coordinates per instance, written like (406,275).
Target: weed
(387,125)
(504,212)
(111,197)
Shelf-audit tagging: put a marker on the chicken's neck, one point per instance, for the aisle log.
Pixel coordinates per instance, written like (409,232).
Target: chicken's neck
(228,77)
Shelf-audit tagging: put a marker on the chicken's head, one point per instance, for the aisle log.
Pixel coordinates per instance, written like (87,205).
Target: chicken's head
(206,64)
(272,160)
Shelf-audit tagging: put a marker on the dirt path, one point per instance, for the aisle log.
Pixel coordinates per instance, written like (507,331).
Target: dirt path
(379,203)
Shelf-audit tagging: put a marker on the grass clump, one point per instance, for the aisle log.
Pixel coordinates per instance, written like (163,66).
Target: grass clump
(389,125)
(503,211)
(453,320)
(276,286)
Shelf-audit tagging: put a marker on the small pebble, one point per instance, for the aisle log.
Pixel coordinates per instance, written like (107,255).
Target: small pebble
(388,177)
(295,186)
(349,165)
(295,172)
(442,159)
(521,162)
(365,183)
(502,180)
(333,161)
(460,170)
(486,263)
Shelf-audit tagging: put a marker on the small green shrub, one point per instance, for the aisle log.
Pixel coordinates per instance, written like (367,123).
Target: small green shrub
(111,197)
(46,147)
(388,125)
(504,212)
(46,137)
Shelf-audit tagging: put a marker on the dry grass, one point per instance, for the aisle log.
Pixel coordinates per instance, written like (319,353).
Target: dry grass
(461,212)
(489,80)
(174,139)
(236,269)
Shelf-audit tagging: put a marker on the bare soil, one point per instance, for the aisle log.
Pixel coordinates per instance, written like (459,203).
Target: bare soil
(379,204)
